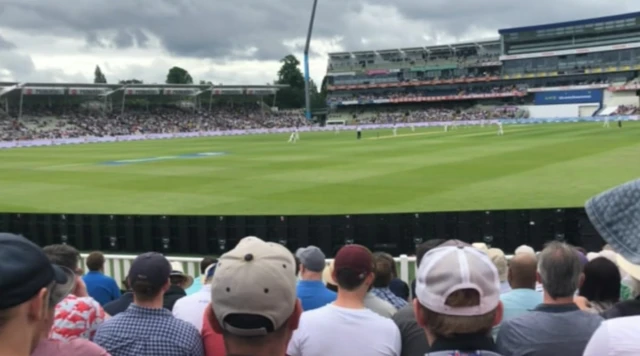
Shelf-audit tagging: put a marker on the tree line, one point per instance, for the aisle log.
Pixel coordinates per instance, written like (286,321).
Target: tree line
(287,98)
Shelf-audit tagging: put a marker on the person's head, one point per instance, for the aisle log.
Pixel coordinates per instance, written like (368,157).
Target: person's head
(457,292)
(178,278)
(253,298)
(63,255)
(353,270)
(500,261)
(425,247)
(383,269)
(30,287)
(559,270)
(312,263)
(149,278)
(206,262)
(207,276)
(522,271)
(95,261)
(601,281)
(525,249)
(327,277)
(481,246)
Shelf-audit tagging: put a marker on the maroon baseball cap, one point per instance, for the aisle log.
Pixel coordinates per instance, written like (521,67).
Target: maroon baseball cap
(356,258)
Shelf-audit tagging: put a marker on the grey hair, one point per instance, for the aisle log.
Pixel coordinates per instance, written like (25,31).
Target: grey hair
(559,267)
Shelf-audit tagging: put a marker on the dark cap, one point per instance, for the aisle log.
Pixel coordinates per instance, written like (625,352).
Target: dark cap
(25,270)
(356,258)
(150,267)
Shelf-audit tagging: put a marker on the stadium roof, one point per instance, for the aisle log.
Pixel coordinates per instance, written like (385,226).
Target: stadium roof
(421,49)
(570,23)
(101,85)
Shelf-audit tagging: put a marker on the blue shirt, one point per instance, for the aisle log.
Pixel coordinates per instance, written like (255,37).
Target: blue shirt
(518,302)
(387,295)
(101,288)
(195,287)
(314,294)
(143,331)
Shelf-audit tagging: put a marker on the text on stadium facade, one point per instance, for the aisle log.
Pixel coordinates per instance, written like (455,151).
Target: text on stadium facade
(42,91)
(87,91)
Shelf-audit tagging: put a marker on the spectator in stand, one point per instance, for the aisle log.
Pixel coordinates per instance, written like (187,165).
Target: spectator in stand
(78,315)
(601,286)
(523,296)
(500,261)
(616,216)
(310,290)
(399,287)
(373,303)
(383,272)
(631,306)
(458,300)
(525,249)
(192,307)
(197,282)
(121,304)
(347,326)
(326,277)
(146,328)
(558,326)
(103,289)
(179,282)
(253,300)
(30,285)
(414,340)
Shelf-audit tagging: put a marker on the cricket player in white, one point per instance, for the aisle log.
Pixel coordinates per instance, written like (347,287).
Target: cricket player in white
(413,128)
(500,131)
(606,121)
(395,130)
(295,136)
(336,129)
(446,128)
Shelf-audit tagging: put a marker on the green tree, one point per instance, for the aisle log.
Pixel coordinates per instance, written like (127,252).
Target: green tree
(131,81)
(290,74)
(318,97)
(98,76)
(178,75)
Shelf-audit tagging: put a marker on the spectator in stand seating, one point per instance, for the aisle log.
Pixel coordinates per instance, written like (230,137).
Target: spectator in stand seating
(525,249)
(30,286)
(601,286)
(310,290)
(103,289)
(78,315)
(146,328)
(458,300)
(253,300)
(192,307)
(179,282)
(558,326)
(397,286)
(121,304)
(615,214)
(347,326)
(523,296)
(421,250)
(197,283)
(414,340)
(373,303)
(500,261)
(326,277)
(383,272)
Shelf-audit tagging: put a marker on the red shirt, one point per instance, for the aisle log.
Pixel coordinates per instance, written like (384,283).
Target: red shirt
(213,342)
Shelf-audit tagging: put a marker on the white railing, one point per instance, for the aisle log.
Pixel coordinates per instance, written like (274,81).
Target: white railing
(117,266)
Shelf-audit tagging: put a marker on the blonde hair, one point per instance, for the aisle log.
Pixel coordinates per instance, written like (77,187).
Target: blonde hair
(447,326)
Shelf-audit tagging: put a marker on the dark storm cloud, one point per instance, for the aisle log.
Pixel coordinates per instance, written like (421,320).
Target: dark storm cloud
(221,29)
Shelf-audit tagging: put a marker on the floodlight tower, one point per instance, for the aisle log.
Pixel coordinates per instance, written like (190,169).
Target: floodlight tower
(307,98)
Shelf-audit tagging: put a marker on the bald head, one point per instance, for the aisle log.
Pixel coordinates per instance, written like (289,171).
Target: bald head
(522,271)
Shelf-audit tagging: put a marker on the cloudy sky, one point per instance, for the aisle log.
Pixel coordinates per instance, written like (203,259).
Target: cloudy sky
(241,41)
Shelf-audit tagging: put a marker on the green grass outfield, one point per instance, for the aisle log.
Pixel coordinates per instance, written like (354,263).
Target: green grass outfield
(554,165)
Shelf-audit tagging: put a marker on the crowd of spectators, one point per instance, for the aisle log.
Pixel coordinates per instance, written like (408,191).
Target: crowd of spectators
(70,123)
(626,110)
(261,299)
(461,91)
(438,114)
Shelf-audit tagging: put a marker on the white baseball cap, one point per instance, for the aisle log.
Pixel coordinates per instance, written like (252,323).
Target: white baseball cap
(455,267)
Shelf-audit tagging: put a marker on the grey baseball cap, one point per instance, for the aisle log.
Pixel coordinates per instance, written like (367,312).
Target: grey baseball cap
(312,258)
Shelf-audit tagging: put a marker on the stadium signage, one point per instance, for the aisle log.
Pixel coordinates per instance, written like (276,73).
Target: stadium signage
(571,51)
(412,84)
(87,91)
(568,97)
(571,87)
(341,74)
(42,91)
(628,87)
(142,91)
(259,91)
(179,91)
(233,91)
(377,72)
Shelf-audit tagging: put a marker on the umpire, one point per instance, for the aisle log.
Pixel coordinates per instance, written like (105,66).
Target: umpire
(359,132)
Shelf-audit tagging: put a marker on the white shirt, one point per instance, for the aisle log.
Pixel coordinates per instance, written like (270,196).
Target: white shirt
(192,307)
(614,337)
(338,331)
